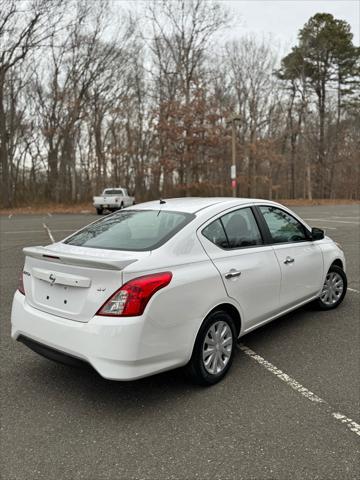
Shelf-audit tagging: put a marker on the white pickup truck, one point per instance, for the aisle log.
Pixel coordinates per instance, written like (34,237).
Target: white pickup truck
(113,199)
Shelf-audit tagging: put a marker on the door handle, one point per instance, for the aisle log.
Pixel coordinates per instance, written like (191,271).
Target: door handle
(289,260)
(232,274)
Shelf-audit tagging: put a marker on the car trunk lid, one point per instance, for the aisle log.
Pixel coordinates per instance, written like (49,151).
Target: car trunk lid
(73,282)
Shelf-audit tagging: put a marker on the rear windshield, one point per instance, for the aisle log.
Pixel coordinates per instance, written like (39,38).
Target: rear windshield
(113,192)
(134,230)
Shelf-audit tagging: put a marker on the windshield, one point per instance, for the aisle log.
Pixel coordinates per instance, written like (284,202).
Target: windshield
(134,230)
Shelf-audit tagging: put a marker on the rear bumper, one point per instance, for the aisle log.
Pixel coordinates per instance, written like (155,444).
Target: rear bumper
(51,353)
(117,348)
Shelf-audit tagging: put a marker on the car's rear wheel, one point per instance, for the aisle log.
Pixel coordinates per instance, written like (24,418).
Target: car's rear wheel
(214,349)
(334,289)
(99,211)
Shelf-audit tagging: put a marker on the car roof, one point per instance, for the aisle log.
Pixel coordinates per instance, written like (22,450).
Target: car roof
(194,204)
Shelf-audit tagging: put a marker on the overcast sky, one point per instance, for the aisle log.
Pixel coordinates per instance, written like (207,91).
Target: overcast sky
(283,18)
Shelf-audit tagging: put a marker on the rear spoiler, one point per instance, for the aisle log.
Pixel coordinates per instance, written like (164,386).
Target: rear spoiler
(42,253)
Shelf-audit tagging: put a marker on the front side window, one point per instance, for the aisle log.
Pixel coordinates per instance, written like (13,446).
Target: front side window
(234,230)
(283,227)
(134,230)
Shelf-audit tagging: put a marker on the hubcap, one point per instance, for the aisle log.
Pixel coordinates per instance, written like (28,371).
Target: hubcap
(332,289)
(217,347)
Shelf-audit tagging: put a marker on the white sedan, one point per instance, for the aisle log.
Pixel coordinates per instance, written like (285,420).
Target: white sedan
(172,283)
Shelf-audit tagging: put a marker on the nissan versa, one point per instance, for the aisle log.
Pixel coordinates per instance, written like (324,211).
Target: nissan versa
(172,283)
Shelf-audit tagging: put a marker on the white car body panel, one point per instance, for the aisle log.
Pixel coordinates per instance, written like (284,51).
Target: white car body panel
(258,266)
(125,348)
(301,279)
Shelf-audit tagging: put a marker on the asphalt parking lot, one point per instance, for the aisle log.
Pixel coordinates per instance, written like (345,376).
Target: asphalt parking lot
(59,422)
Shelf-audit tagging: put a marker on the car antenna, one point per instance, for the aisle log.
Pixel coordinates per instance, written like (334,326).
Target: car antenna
(161,201)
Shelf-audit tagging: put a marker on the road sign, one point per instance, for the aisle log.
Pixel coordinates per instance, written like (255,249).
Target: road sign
(233,172)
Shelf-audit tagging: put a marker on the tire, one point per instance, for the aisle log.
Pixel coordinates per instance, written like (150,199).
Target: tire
(99,211)
(334,289)
(199,368)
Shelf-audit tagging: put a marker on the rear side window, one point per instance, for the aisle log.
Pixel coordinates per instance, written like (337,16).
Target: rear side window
(134,230)
(216,234)
(241,228)
(234,230)
(283,227)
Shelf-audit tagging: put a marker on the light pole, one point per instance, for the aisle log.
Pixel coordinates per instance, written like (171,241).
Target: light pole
(234,118)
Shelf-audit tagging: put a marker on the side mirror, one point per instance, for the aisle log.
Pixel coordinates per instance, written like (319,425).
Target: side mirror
(317,234)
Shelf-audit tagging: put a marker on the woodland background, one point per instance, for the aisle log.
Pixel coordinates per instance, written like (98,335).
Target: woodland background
(91,98)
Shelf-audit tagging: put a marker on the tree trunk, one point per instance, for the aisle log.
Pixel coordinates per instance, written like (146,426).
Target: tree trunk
(321,151)
(5,170)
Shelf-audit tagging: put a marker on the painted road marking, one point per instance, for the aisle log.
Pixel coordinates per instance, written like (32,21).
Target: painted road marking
(353,290)
(49,232)
(328,220)
(305,392)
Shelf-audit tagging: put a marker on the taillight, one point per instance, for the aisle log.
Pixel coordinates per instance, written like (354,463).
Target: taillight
(132,298)
(21,287)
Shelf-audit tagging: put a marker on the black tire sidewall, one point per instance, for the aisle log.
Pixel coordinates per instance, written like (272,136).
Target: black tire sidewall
(196,365)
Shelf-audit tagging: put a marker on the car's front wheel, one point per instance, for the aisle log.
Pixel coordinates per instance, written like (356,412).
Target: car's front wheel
(214,349)
(334,289)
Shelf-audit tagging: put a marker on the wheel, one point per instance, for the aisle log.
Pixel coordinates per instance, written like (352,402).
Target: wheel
(334,289)
(99,211)
(213,350)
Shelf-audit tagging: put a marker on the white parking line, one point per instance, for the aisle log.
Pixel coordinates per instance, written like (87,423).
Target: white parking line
(49,232)
(353,290)
(353,426)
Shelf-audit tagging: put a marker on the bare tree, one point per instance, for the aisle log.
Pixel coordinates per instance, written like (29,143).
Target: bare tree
(24,27)
(182,32)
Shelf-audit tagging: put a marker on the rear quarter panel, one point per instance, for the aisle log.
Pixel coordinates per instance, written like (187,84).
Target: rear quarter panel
(176,312)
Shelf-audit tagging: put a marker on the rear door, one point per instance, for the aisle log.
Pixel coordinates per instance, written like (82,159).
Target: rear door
(249,268)
(300,259)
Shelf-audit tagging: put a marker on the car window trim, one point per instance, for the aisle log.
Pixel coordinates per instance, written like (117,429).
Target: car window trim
(222,214)
(267,232)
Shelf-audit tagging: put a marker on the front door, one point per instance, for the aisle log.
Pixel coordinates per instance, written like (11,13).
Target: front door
(299,258)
